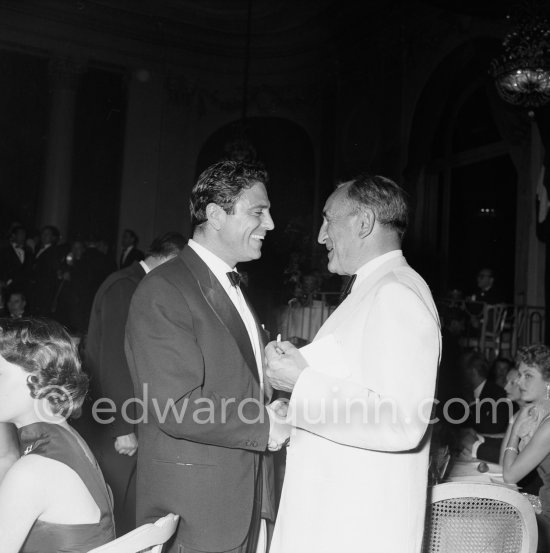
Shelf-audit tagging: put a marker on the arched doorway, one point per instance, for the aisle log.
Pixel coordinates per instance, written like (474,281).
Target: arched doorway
(287,153)
(466,183)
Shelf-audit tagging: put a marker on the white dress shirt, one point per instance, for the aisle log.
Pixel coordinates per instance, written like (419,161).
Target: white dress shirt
(125,254)
(19,252)
(42,250)
(220,269)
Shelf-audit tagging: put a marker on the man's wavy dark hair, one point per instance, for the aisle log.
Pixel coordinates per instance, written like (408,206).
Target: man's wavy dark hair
(222,184)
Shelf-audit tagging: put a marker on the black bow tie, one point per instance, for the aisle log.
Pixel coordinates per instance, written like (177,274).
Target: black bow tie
(234,278)
(347,290)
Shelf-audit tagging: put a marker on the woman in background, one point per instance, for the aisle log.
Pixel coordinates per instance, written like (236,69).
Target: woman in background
(54,497)
(528,445)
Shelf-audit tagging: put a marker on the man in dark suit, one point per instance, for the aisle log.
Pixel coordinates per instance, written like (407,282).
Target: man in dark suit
(130,252)
(489,409)
(44,280)
(16,260)
(486,290)
(114,444)
(195,353)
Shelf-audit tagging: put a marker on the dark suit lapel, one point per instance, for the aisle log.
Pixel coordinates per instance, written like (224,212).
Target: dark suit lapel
(222,305)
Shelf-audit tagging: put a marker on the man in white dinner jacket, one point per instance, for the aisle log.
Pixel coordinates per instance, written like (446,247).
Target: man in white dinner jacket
(356,476)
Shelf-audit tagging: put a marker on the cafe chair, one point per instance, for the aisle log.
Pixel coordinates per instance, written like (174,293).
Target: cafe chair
(148,538)
(492,328)
(471,517)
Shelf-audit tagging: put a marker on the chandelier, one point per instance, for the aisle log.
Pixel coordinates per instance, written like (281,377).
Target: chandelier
(522,72)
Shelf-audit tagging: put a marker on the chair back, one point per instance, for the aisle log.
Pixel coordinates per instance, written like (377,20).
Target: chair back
(492,325)
(304,321)
(148,538)
(468,517)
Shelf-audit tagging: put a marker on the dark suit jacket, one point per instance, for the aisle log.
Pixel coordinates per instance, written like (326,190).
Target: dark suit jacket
(105,357)
(44,281)
(133,255)
(188,347)
(491,412)
(11,269)
(110,378)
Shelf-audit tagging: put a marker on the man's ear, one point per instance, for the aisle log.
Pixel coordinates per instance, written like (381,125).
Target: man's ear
(215,215)
(367,219)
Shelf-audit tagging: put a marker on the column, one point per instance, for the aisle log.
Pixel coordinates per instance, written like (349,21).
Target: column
(56,191)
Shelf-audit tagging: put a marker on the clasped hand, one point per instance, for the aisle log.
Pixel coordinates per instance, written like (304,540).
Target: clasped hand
(126,445)
(279,429)
(284,364)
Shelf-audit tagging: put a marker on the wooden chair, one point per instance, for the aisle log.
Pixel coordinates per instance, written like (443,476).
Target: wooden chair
(148,538)
(468,517)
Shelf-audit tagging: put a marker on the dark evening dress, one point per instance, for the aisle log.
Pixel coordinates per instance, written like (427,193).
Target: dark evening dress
(66,446)
(543,519)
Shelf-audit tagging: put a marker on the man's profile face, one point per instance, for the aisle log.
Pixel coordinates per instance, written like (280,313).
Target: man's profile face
(244,229)
(485,279)
(338,233)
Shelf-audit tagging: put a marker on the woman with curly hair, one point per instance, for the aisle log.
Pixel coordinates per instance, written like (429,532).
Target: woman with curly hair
(528,446)
(54,497)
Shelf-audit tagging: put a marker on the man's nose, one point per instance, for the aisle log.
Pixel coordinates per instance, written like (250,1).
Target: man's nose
(268,222)
(322,237)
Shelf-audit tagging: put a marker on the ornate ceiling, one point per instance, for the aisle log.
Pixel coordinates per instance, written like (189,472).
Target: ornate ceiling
(297,39)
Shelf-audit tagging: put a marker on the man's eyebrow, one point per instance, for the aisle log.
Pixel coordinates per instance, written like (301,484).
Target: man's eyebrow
(262,205)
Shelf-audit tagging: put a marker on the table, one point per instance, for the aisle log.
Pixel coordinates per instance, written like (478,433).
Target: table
(468,471)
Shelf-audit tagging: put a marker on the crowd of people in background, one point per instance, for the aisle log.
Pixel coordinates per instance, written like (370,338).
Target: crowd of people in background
(133,332)
(42,275)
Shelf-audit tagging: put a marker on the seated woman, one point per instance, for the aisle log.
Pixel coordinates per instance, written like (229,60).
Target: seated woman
(54,497)
(528,445)
(9,448)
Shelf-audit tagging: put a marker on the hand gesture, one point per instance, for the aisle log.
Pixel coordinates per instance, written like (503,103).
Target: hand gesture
(126,445)
(284,363)
(279,429)
(525,422)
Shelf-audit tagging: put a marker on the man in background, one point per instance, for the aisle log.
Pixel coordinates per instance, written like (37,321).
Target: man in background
(115,444)
(16,260)
(44,281)
(130,252)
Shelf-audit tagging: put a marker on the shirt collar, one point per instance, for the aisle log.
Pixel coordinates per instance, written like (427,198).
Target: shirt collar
(479,389)
(145,266)
(368,268)
(218,266)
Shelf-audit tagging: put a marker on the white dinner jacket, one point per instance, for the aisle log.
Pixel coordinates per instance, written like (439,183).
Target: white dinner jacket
(356,473)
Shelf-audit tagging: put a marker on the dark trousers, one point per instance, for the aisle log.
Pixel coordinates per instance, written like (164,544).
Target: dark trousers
(250,543)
